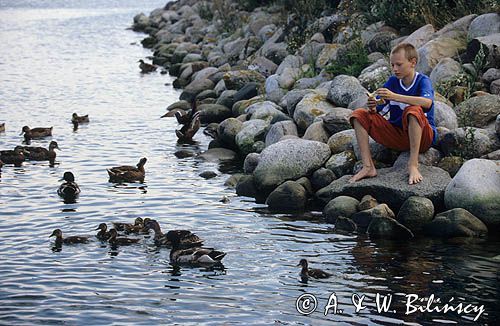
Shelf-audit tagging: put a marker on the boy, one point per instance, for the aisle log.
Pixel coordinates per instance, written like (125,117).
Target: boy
(409,98)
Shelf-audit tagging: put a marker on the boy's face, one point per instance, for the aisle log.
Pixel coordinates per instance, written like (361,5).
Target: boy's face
(401,66)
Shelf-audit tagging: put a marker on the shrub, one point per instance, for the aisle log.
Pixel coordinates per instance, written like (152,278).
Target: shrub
(351,60)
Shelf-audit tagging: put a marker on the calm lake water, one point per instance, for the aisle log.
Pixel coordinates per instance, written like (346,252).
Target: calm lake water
(60,57)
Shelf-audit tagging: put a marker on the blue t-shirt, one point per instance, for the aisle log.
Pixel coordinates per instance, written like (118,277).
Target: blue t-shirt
(422,87)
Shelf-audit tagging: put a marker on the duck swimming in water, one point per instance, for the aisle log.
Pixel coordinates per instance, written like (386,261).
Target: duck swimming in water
(122,241)
(186,238)
(40,132)
(190,121)
(128,173)
(76,119)
(68,189)
(103,234)
(42,154)
(194,255)
(146,67)
(129,227)
(311,272)
(68,240)
(16,156)
(2,127)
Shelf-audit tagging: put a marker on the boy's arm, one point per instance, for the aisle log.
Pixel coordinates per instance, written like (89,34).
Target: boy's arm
(386,94)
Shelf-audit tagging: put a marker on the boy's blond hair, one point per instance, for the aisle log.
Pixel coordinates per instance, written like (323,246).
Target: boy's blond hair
(409,50)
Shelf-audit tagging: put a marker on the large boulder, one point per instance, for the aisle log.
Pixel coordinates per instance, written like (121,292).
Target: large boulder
(484,25)
(415,213)
(344,90)
(337,120)
(227,131)
(446,69)
(482,110)
(341,163)
(279,130)
(289,196)
(444,116)
(476,188)
(316,132)
(388,228)
(458,141)
(292,98)
(239,78)
(289,160)
(391,187)
(341,141)
(456,222)
(365,217)
(327,55)
(419,37)
(435,50)
(340,206)
(196,87)
(266,111)
(375,75)
(312,105)
(213,113)
(490,45)
(251,132)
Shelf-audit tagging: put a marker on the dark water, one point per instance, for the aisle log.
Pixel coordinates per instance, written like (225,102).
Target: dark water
(60,57)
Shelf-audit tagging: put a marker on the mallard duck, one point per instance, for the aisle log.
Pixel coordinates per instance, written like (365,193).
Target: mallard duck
(68,189)
(146,67)
(103,234)
(122,241)
(30,134)
(2,127)
(76,119)
(127,227)
(311,272)
(186,238)
(193,255)
(184,117)
(42,154)
(128,173)
(187,132)
(69,240)
(16,156)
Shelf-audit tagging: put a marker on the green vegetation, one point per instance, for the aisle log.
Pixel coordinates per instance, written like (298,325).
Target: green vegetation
(351,60)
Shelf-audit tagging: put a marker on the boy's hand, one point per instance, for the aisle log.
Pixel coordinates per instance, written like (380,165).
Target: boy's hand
(371,103)
(385,94)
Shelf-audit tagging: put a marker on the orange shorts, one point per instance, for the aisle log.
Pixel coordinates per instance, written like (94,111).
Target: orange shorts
(391,136)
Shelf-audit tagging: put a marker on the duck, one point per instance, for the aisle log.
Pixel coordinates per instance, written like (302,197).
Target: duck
(103,234)
(193,255)
(127,227)
(186,238)
(1,164)
(2,127)
(42,154)
(76,119)
(122,241)
(40,132)
(187,132)
(16,156)
(311,272)
(68,189)
(184,117)
(69,240)
(146,67)
(128,173)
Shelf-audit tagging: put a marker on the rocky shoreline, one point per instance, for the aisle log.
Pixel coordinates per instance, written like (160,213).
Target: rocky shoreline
(285,113)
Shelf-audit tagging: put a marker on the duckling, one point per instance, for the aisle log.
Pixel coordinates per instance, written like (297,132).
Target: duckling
(76,119)
(186,238)
(122,241)
(42,154)
(126,227)
(68,189)
(311,272)
(146,67)
(194,255)
(30,134)
(68,240)
(187,132)
(16,156)
(128,173)
(102,234)
(2,127)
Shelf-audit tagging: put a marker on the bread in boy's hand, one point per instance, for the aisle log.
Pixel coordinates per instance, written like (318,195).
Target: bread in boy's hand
(379,101)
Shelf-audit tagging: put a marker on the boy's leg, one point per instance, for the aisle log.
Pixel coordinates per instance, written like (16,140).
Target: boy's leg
(368,170)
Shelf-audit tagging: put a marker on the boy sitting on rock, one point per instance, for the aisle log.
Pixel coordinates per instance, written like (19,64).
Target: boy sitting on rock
(408,97)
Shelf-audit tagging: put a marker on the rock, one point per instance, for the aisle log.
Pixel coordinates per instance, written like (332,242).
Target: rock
(381,40)
(226,98)
(233,180)
(341,141)
(240,106)
(279,130)
(292,98)
(446,69)
(209,93)
(497,125)
(205,73)
(444,116)
(291,61)
(246,186)
(289,196)
(435,50)
(484,25)
(266,32)
(218,154)
(476,188)
(367,202)
(310,50)
(213,113)
(456,29)
(192,57)
(451,164)
(492,156)
(431,158)
(456,222)
(379,152)
(289,160)
(322,177)
(304,182)
(312,105)
(495,87)
(141,22)
(194,88)
(415,213)
(264,66)
(220,87)
(341,163)
(239,78)
(252,131)
(364,218)
(227,131)
(246,92)
(344,90)
(183,105)
(482,110)
(491,74)
(274,92)
(251,162)
(312,82)
(208,174)
(316,132)
(327,55)
(375,75)
(391,187)
(345,224)
(266,111)
(420,36)
(183,154)
(275,52)
(340,206)
(388,228)
(337,120)
(455,142)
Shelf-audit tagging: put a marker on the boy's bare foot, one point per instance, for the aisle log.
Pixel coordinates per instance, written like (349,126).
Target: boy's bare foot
(415,176)
(366,172)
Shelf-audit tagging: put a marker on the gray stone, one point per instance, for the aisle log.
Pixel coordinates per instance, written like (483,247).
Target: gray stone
(388,228)
(312,105)
(287,79)
(233,180)
(364,218)
(456,222)
(252,131)
(251,162)
(266,32)
(306,183)
(495,87)
(266,111)
(484,25)
(218,154)
(375,75)
(367,202)
(322,177)
(391,187)
(292,98)
(209,93)
(444,116)
(481,109)
(435,50)
(289,196)
(337,120)
(316,132)
(484,142)
(289,160)
(341,141)
(264,66)
(431,158)
(491,43)
(345,89)
(491,74)
(497,125)
(226,98)
(239,78)
(291,61)
(451,164)
(194,88)
(246,186)
(213,113)
(279,130)
(274,92)
(309,82)
(340,206)
(476,188)
(246,92)
(341,163)
(208,174)
(415,213)
(227,131)
(379,152)
(327,55)
(345,224)
(492,156)
(446,69)
(183,105)
(420,36)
